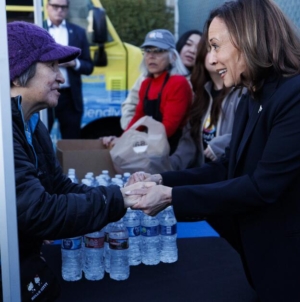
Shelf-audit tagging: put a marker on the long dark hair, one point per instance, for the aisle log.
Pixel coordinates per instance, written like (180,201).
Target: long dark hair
(184,37)
(200,76)
(264,35)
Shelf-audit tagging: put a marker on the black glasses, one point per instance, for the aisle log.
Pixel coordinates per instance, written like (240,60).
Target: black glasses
(57,7)
(154,51)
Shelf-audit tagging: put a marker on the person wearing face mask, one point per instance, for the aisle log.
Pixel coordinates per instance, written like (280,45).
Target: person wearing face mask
(257,181)
(186,46)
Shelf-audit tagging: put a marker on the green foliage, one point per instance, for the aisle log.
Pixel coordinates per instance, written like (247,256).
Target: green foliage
(133,19)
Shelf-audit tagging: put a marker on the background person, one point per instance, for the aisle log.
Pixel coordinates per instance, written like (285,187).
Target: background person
(69,110)
(186,46)
(163,95)
(211,118)
(258,180)
(49,205)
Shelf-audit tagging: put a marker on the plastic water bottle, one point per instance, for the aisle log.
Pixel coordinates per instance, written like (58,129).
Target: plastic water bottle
(106,176)
(119,176)
(86,181)
(133,223)
(150,240)
(118,245)
(106,248)
(71,259)
(117,182)
(93,255)
(72,175)
(168,236)
(126,176)
(90,176)
(101,180)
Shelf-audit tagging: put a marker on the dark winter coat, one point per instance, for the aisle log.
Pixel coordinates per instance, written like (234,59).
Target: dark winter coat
(258,183)
(49,205)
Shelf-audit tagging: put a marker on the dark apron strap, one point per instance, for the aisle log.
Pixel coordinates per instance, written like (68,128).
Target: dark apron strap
(152,107)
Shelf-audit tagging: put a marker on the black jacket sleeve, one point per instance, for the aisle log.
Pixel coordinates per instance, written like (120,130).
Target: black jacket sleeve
(49,205)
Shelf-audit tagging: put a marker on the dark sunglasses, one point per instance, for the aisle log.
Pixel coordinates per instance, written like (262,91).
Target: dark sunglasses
(57,7)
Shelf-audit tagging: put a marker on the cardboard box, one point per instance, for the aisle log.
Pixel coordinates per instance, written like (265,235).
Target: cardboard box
(84,156)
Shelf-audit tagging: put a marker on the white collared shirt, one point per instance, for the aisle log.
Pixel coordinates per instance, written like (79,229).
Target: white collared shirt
(60,35)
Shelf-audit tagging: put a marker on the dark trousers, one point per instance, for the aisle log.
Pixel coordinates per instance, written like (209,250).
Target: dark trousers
(68,117)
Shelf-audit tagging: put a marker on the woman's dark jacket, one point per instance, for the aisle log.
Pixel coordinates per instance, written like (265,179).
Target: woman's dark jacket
(258,183)
(49,205)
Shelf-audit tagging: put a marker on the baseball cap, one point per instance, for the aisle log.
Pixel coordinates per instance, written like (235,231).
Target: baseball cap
(160,38)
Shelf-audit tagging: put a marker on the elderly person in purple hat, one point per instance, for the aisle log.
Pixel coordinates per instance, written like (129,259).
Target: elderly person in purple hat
(49,205)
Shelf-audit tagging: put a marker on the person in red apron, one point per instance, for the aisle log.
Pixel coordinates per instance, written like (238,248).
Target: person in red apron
(164,96)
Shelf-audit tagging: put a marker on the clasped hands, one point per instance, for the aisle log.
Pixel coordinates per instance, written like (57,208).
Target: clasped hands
(144,192)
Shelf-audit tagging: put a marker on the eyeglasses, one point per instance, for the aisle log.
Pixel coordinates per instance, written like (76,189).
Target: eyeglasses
(57,7)
(153,51)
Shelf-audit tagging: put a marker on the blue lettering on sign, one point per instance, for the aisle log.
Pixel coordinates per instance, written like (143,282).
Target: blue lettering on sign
(94,111)
(100,102)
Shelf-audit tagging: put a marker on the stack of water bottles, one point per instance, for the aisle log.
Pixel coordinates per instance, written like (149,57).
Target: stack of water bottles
(118,247)
(136,238)
(71,249)
(168,236)
(157,239)
(132,222)
(103,179)
(150,240)
(87,253)
(116,241)
(93,265)
(71,269)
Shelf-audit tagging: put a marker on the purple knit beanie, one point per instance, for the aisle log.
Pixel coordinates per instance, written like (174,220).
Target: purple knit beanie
(29,43)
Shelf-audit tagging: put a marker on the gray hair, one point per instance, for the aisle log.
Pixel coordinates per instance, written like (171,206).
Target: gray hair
(28,74)
(175,65)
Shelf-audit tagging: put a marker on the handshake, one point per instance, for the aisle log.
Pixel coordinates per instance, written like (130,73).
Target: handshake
(145,192)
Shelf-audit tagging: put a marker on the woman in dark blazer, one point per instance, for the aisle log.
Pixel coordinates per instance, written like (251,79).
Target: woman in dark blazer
(257,181)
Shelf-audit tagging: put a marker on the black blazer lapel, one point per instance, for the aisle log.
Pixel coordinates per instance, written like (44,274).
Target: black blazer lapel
(254,115)
(246,119)
(240,121)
